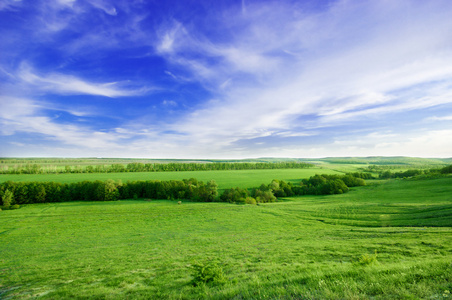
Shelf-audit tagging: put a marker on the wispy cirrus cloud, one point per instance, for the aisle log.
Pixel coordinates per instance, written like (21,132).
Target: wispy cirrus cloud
(339,65)
(105,6)
(9,4)
(444,118)
(66,84)
(22,115)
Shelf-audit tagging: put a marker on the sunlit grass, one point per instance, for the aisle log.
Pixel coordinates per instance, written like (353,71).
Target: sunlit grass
(306,247)
(225,179)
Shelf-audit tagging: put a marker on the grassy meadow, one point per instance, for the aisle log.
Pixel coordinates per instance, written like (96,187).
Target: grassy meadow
(388,240)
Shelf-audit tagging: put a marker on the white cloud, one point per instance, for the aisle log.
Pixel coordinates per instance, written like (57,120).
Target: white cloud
(435,143)
(169,103)
(105,6)
(67,84)
(69,3)
(348,62)
(168,35)
(25,116)
(9,4)
(444,118)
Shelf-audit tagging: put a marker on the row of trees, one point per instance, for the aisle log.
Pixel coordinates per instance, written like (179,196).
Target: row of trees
(416,172)
(152,167)
(189,189)
(109,190)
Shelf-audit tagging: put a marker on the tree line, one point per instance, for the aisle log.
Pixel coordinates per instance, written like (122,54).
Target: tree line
(416,172)
(151,167)
(109,190)
(187,189)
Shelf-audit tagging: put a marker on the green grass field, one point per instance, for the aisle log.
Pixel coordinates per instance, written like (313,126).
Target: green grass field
(225,179)
(388,240)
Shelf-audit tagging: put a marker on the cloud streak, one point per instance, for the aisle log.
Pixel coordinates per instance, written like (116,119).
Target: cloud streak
(66,84)
(21,115)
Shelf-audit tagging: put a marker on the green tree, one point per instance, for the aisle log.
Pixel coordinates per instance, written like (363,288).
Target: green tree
(265,196)
(234,195)
(212,190)
(7,198)
(40,194)
(446,170)
(107,191)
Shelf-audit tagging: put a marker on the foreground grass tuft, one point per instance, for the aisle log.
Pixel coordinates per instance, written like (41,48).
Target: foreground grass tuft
(207,273)
(367,259)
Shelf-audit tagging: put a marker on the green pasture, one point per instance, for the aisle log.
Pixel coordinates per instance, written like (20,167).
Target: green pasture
(388,240)
(225,179)
(343,168)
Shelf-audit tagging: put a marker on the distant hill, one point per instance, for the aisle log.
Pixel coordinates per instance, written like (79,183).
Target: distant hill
(370,160)
(387,160)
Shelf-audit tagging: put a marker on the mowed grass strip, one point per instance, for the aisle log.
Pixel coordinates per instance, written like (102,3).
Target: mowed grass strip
(225,179)
(299,248)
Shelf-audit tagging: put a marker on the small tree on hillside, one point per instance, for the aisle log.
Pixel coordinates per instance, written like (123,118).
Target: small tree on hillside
(7,198)
(212,189)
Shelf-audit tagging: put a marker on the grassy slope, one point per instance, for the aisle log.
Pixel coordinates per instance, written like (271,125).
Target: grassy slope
(225,179)
(301,248)
(388,160)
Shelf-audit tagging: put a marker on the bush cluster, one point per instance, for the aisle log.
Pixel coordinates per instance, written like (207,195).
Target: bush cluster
(244,196)
(315,185)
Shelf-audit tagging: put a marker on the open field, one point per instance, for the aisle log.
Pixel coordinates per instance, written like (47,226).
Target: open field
(112,165)
(225,179)
(392,239)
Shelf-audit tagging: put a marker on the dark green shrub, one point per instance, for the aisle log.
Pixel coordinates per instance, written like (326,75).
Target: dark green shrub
(367,259)
(107,190)
(234,195)
(7,198)
(264,197)
(446,170)
(250,200)
(207,273)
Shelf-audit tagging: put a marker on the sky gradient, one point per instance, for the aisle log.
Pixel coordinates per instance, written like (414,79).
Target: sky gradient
(225,79)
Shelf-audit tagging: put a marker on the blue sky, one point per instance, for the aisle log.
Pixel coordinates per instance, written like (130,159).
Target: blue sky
(225,79)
